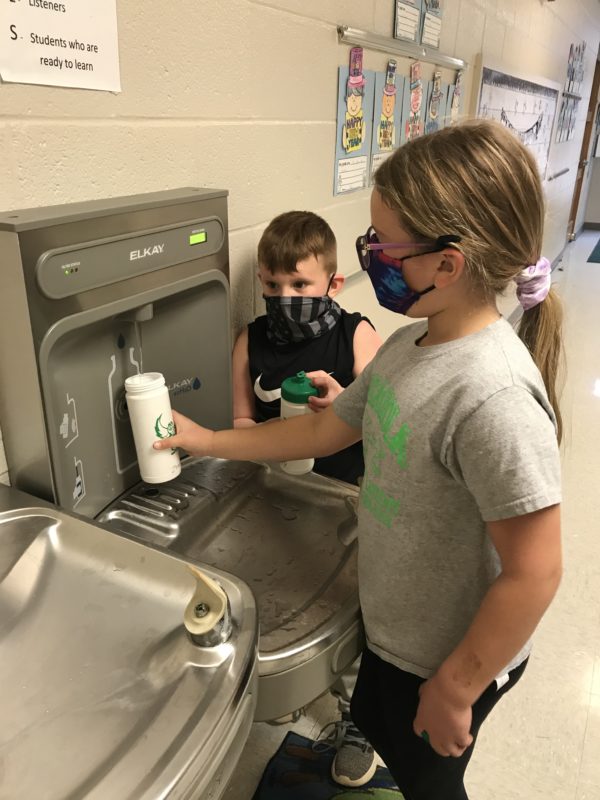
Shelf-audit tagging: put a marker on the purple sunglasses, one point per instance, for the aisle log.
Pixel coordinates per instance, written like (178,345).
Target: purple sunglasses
(369,242)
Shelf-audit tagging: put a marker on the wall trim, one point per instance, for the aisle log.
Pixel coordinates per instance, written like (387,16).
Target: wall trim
(559,257)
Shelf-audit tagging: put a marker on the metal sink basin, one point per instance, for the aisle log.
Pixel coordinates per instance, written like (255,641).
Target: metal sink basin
(103,694)
(289,538)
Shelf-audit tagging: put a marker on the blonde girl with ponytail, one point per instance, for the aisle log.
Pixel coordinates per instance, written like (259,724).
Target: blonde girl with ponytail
(459,522)
(500,219)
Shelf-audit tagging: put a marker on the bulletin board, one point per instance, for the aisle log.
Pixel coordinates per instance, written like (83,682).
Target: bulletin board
(378,111)
(525,106)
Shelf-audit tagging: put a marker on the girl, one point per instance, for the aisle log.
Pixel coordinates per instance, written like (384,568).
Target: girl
(459,525)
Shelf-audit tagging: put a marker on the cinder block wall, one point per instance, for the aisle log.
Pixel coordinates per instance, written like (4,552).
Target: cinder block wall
(242,96)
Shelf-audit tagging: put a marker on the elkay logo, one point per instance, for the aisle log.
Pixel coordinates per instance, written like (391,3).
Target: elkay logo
(147,251)
(184,385)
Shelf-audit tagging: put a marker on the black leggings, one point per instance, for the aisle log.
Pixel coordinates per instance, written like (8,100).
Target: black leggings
(384,706)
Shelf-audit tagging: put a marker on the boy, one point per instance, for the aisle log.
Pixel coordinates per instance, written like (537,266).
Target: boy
(305,329)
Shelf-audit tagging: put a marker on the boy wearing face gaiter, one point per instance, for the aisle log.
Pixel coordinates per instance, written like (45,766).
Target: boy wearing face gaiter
(304,329)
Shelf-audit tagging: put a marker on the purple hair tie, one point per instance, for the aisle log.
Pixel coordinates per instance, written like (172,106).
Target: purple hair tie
(533,283)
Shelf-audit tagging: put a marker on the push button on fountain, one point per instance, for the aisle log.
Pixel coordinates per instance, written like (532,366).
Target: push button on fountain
(207,616)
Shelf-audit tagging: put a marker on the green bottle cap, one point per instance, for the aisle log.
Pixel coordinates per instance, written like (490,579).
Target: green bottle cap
(298,389)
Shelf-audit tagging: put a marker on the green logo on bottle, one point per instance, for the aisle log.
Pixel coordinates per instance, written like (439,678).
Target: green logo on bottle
(164,431)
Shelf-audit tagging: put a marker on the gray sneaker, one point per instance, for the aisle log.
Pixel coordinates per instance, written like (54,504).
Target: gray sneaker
(354,763)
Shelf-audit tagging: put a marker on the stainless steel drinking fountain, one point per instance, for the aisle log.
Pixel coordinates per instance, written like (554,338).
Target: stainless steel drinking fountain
(103,692)
(89,292)
(94,292)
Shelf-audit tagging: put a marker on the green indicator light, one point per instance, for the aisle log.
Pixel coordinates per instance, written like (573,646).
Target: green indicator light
(198,238)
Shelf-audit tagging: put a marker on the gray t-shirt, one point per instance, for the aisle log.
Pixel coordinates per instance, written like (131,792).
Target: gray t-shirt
(454,435)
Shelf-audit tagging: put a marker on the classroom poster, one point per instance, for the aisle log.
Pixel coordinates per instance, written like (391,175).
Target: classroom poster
(569,107)
(356,89)
(387,117)
(455,100)
(407,21)
(413,108)
(567,117)
(524,107)
(437,100)
(432,23)
(575,68)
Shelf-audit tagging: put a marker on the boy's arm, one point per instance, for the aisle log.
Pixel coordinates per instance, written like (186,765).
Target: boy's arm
(311,435)
(243,394)
(366,343)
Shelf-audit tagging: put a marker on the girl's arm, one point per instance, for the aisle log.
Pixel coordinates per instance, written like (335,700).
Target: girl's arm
(308,436)
(328,388)
(530,553)
(243,394)
(366,343)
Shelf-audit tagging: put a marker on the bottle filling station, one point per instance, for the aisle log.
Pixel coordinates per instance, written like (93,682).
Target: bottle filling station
(96,292)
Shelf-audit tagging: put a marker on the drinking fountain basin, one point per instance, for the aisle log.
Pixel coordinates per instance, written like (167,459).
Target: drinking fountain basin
(103,692)
(290,538)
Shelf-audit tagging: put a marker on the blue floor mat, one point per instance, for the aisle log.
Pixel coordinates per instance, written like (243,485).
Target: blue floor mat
(297,772)
(595,254)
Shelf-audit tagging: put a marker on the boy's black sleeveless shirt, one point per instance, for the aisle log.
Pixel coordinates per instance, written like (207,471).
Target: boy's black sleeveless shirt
(331,352)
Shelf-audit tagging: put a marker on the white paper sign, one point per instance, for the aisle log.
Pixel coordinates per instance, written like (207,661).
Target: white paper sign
(408,19)
(60,43)
(432,30)
(352,174)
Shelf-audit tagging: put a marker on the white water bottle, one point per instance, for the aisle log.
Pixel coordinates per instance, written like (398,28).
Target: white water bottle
(295,392)
(151,419)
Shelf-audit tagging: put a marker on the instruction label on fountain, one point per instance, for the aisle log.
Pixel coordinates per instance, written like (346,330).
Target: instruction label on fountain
(60,43)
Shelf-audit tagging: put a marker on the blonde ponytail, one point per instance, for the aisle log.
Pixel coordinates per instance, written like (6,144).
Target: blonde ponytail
(540,330)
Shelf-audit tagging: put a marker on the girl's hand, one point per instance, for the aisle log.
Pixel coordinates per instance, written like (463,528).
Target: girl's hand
(192,438)
(446,722)
(328,388)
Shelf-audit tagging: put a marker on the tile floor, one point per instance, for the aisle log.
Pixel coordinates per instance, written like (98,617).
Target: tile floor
(543,741)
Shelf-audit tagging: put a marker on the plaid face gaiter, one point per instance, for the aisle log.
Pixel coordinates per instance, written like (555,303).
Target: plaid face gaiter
(294,319)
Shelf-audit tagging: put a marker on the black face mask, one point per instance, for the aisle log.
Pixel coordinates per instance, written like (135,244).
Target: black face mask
(296,319)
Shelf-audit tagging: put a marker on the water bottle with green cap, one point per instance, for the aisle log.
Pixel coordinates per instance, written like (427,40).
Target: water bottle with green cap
(295,392)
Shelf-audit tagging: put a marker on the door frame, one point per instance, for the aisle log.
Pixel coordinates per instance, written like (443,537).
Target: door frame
(584,160)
